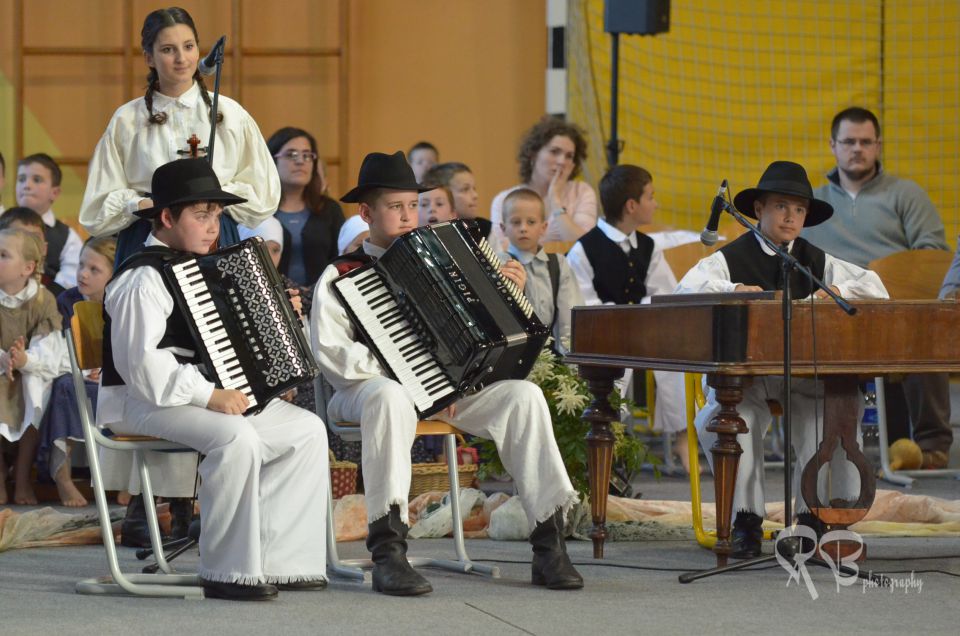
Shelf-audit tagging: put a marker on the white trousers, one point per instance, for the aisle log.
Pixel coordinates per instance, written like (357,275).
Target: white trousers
(843,482)
(670,413)
(263,491)
(171,474)
(512,413)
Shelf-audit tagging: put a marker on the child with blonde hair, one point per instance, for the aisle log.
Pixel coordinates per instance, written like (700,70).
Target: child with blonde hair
(61,426)
(32,350)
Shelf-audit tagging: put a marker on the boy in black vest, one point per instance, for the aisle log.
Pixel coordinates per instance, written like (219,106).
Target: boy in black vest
(783,204)
(551,285)
(38,186)
(617,265)
(264,478)
(513,413)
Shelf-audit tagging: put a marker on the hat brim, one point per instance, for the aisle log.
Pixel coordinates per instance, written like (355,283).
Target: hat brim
(354,195)
(216,196)
(819,210)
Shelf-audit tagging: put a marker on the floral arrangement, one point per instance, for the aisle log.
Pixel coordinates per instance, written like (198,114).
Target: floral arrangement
(567,396)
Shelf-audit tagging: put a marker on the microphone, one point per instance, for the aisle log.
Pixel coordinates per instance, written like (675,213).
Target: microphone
(709,235)
(208,65)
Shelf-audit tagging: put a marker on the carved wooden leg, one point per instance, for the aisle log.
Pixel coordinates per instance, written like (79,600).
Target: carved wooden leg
(727,424)
(599,446)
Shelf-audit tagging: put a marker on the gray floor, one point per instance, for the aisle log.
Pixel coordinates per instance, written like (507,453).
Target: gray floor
(633,590)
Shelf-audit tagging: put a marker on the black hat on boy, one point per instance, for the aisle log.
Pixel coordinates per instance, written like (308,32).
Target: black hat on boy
(185,181)
(785,177)
(380,170)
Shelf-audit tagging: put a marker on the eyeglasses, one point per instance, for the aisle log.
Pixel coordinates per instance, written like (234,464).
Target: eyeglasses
(296,155)
(848,144)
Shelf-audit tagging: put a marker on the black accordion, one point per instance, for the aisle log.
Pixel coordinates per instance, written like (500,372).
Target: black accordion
(440,317)
(243,324)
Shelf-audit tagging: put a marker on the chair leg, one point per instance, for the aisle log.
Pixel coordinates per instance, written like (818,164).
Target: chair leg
(352,569)
(153,524)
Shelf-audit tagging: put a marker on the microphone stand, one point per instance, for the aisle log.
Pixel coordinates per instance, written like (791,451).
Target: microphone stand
(792,544)
(218,57)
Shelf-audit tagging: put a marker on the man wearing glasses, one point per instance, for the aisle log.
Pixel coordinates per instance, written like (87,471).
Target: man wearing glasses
(876,214)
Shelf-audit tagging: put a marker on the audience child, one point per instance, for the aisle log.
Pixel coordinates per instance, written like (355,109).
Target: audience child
(616,264)
(26,219)
(422,156)
(551,286)
(38,186)
(61,427)
(32,351)
(436,206)
(458,177)
(352,235)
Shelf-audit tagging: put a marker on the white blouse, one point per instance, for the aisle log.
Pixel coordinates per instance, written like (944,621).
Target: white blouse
(131,148)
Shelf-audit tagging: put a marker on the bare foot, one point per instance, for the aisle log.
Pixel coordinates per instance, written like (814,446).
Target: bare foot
(69,495)
(23,494)
(123,498)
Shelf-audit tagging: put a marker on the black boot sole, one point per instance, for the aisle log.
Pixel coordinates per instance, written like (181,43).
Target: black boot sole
(571,584)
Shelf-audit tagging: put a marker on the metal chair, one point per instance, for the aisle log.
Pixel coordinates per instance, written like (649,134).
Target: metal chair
(84,343)
(353,568)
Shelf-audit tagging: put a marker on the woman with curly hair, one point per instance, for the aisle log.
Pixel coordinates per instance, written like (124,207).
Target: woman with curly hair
(153,130)
(551,156)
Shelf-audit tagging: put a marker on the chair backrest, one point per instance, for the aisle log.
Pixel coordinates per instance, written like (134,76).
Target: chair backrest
(557,247)
(683,258)
(913,274)
(86,329)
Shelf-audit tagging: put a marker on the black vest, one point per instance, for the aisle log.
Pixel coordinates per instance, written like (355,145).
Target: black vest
(617,277)
(319,241)
(750,265)
(56,238)
(178,330)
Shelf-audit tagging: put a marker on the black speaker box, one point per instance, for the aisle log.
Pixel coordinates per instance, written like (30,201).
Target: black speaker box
(636,17)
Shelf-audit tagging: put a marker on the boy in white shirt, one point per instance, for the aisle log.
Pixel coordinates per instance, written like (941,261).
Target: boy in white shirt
(513,413)
(264,478)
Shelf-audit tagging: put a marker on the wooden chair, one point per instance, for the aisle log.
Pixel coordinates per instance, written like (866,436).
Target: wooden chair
(353,569)
(908,275)
(557,247)
(84,343)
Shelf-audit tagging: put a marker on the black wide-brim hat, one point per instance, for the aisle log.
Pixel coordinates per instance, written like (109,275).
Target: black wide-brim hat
(380,170)
(785,177)
(185,181)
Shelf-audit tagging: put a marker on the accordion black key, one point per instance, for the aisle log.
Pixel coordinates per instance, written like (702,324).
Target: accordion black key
(440,317)
(243,324)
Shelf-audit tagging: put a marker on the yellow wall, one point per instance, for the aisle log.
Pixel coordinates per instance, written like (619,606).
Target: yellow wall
(466,75)
(734,86)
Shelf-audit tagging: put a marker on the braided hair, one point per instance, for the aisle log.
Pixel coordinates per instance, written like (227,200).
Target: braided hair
(154,23)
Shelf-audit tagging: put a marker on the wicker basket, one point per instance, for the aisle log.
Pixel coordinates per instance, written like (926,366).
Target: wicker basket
(343,477)
(427,477)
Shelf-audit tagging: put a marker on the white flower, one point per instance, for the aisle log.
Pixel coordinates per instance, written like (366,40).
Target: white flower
(569,399)
(542,370)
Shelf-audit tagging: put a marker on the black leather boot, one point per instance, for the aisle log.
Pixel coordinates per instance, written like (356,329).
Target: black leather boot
(181,514)
(551,566)
(392,573)
(134,532)
(747,535)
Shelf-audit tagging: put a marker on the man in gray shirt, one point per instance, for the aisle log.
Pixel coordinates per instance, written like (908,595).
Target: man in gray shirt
(877,214)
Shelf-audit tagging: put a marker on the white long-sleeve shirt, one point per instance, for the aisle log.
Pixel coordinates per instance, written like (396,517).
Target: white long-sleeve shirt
(342,359)
(660,278)
(131,149)
(712,275)
(69,255)
(139,304)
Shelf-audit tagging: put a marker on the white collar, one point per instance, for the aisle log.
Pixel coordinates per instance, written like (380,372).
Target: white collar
(767,250)
(152,241)
(616,235)
(49,218)
(15,300)
(373,250)
(525,257)
(188,100)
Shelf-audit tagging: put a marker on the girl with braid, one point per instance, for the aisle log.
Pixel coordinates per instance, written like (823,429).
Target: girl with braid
(143,135)
(153,130)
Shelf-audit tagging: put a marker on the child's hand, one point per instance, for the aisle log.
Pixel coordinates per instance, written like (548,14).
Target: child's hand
(822,294)
(296,301)
(18,356)
(515,272)
(747,288)
(93,375)
(229,401)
